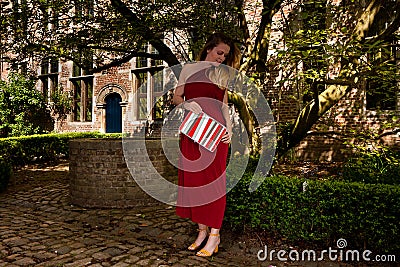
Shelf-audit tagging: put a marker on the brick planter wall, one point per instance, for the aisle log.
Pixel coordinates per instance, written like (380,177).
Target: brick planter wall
(99,174)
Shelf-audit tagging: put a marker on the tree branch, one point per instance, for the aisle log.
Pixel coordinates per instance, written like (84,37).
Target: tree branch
(242,20)
(258,54)
(147,34)
(114,63)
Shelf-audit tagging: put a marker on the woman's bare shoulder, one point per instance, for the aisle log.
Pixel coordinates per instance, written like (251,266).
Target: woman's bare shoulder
(189,68)
(193,67)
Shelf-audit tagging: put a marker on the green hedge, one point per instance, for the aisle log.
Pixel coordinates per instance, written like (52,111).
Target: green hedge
(366,215)
(5,174)
(375,167)
(25,149)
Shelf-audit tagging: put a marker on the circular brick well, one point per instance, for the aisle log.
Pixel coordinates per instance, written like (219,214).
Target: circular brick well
(99,176)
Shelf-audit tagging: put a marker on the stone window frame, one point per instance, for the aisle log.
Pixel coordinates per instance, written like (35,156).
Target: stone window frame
(110,89)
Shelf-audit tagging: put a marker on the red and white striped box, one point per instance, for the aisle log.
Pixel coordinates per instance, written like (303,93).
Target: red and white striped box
(203,129)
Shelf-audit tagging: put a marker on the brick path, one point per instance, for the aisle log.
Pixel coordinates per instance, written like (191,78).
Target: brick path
(38,227)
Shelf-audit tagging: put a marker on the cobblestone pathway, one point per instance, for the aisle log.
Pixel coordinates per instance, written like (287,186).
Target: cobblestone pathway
(38,227)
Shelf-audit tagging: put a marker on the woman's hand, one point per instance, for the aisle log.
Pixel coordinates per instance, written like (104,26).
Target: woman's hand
(192,106)
(226,138)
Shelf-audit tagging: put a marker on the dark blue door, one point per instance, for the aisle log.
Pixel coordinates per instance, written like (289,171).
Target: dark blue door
(113,113)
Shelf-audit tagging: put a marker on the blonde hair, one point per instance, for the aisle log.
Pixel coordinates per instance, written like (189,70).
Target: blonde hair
(222,75)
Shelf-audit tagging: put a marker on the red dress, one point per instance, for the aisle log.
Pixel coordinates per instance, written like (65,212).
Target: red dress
(201,176)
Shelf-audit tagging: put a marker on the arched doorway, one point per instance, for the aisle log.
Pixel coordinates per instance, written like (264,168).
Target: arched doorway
(113,113)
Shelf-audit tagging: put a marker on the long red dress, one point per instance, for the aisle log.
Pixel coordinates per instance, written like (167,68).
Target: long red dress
(201,176)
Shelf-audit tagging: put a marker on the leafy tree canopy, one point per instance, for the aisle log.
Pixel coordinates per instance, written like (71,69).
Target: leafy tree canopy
(319,36)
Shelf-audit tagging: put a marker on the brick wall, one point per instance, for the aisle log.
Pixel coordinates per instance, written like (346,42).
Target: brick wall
(344,125)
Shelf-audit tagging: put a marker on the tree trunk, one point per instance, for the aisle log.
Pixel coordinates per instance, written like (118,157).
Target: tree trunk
(247,118)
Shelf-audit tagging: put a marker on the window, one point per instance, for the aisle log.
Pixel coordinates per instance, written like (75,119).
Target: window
(155,62)
(142,95)
(149,85)
(141,62)
(54,18)
(48,77)
(382,84)
(20,67)
(82,85)
(382,92)
(313,15)
(84,8)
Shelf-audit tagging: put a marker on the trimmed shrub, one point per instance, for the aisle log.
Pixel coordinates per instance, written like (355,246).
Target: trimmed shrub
(5,174)
(25,149)
(374,167)
(23,109)
(366,215)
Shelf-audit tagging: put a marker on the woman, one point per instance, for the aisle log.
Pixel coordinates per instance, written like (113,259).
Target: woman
(195,86)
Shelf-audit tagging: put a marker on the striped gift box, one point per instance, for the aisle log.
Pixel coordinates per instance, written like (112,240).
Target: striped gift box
(203,129)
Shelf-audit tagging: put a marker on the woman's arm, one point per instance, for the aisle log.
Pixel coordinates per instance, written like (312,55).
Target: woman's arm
(179,94)
(179,91)
(225,112)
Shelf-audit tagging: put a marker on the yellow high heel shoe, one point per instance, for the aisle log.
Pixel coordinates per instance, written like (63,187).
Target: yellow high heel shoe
(206,253)
(194,246)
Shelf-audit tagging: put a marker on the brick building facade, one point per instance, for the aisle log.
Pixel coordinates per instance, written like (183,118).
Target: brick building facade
(102,101)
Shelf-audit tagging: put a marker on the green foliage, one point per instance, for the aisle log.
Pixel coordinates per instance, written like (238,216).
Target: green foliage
(373,167)
(365,215)
(61,104)
(22,108)
(25,149)
(121,27)
(5,174)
